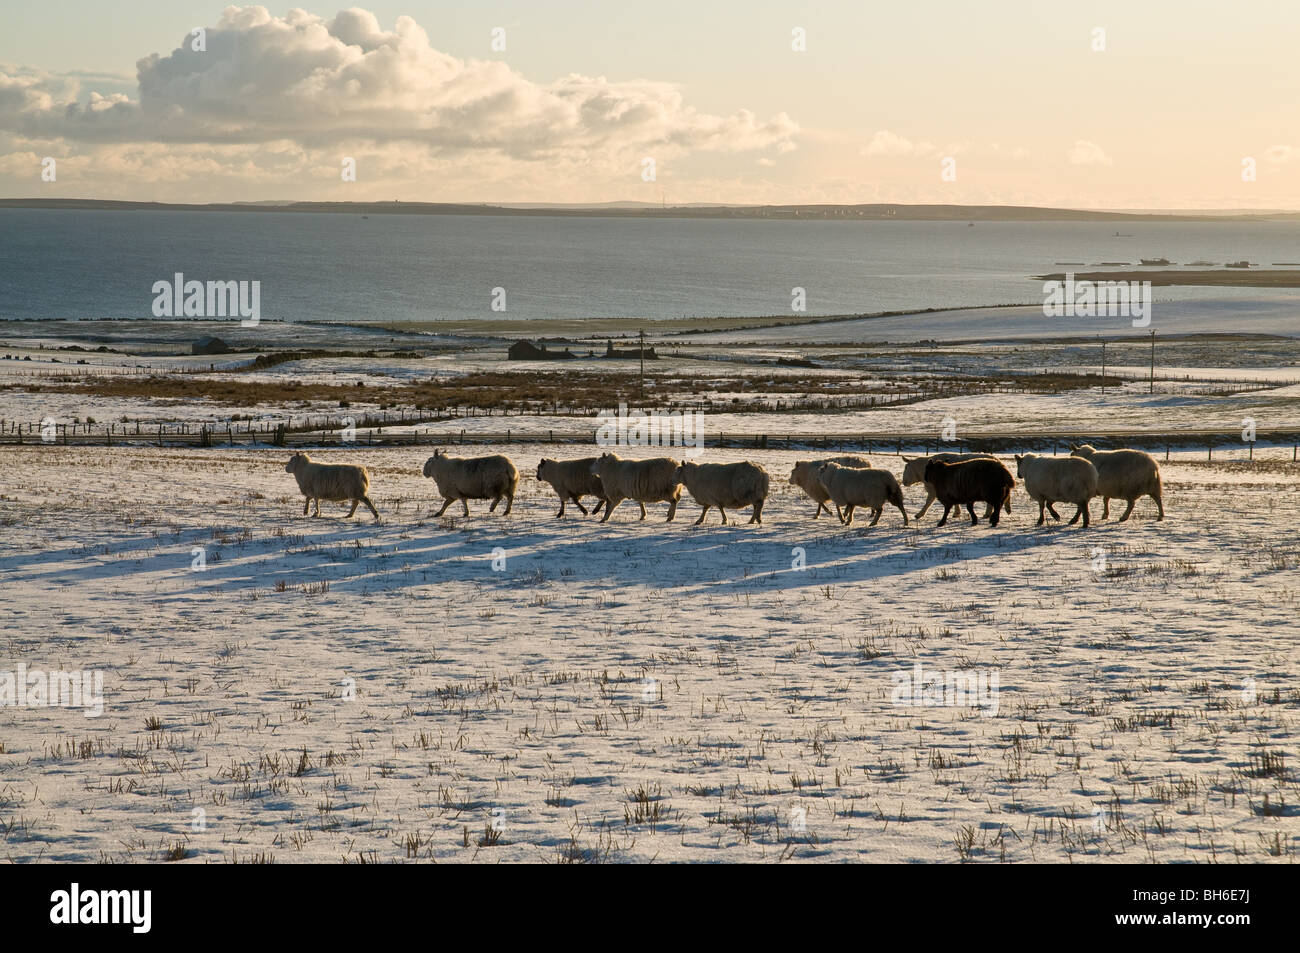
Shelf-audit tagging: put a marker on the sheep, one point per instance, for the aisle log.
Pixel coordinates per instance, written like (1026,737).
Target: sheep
(473,478)
(571,480)
(804,476)
(645,481)
(1050,480)
(330,481)
(850,488)
(1127,475)
(968,482)
(725,484)
(914,472)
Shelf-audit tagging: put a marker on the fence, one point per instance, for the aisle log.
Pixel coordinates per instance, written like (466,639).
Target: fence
(1053,441)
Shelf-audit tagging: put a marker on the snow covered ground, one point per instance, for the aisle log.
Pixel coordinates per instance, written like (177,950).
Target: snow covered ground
(525,688)
(1224,310)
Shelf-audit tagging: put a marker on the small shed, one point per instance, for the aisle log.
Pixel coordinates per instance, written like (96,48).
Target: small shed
(528,351)
(209,345)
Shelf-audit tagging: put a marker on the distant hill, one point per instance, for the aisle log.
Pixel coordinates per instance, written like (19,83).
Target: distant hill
(875,212)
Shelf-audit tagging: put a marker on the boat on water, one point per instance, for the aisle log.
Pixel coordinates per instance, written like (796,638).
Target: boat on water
(1237,264)
(1125,235)
(1112,264)
(1201,264)
(1156,261)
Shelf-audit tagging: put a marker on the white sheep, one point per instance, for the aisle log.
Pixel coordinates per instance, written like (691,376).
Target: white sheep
(725,484)
(645,481)
(1050,480)
(851,488)
(914,472)
(1125,475)
(804,476)
(330,481)
(572,480)
(473,478)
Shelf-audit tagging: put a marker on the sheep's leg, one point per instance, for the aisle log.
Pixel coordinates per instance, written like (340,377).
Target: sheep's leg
(510,503)
(672,511)
(465,503)
(611,504)
(601,502)
(1105,507)
(306,504)
(366,500)
(576,502)
(495,500)
(875,518)
(351,512)
(445,503)
(847,517)
(724,515)
(758,513)
(820,506)
(974,520)
(1080,512)
(946,508)
(929,498)
(316,512)
(561,513)
(902,510)
(1042,513)
(641,503)
(703,513)
(1128,511)
(838,512)
(1159,504)
(1052,509)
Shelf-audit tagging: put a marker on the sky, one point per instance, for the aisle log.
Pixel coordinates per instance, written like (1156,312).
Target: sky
(1152,105)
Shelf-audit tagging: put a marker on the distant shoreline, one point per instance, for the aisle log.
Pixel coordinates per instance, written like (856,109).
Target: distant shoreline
(873,212)
(1222,278)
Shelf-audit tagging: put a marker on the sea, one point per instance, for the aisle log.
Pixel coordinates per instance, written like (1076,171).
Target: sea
(356,268)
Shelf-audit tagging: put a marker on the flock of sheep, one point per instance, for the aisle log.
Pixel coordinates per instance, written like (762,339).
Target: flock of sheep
(849,482)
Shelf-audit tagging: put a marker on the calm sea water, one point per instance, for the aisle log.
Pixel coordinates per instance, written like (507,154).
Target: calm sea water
(327,267)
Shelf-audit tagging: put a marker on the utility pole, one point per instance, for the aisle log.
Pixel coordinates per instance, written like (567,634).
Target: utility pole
(1152,388)
(643,367)
(1103,365)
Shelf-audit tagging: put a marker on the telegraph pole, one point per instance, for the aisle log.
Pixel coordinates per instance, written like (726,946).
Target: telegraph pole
(1103,365)
(1152,388)
(643,367)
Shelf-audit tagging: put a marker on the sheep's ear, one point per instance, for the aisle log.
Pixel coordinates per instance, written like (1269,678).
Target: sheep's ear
(908,459)
(1018,458)
(1074,446)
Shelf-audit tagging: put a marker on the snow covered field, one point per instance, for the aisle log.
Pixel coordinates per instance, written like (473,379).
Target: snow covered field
(1174,311)
(533,689)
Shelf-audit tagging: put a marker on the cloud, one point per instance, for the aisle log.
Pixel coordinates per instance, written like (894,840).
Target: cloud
(266,97)
(319,82)
(1088,153)
(886,143)
(889,144)
(1282,154)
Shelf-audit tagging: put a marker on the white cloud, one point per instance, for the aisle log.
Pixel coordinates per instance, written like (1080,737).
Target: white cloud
(886,143)
(324,88)
(1088,153)
(1282,154)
